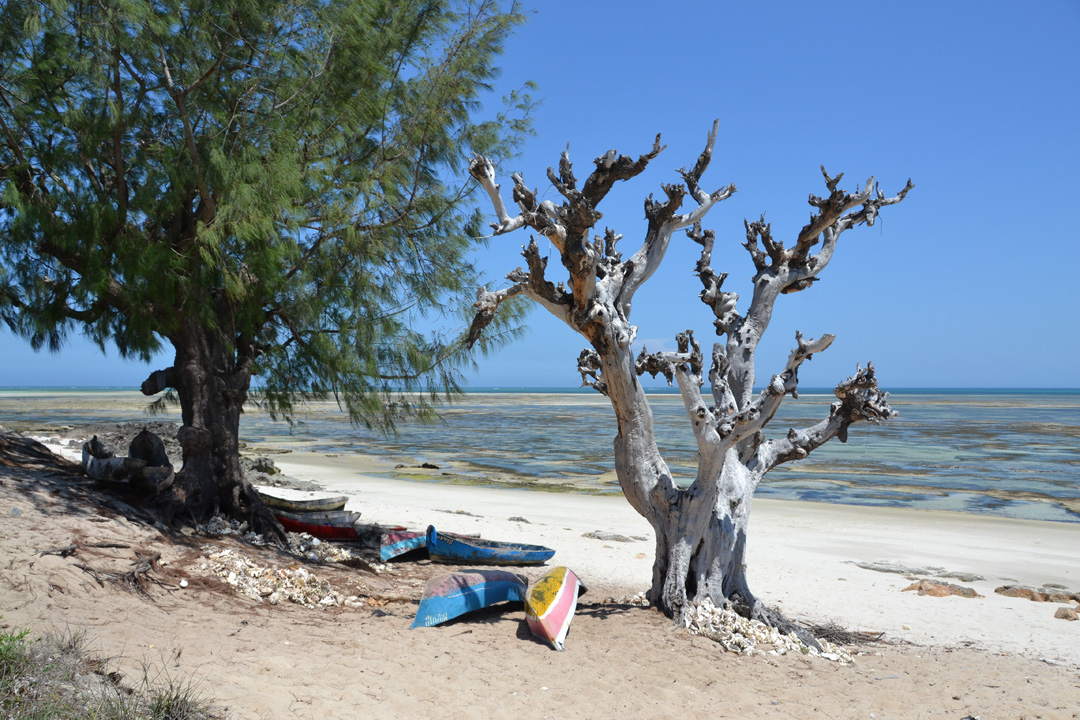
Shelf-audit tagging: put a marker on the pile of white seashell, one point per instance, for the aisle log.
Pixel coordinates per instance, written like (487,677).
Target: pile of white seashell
(315,549)
(262,583)
(221,525)
(747,637)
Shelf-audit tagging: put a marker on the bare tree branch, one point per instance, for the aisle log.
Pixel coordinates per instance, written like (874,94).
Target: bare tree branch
(663,220)
(781,270)
(755,416)
(859,399)
(486,304)
(722,303)
(721,390)
(611,167)
(484,171)
(589,367)
(159,380)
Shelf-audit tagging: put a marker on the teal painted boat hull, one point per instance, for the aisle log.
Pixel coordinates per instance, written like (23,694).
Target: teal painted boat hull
(399,543)
(474,551)
(452,595)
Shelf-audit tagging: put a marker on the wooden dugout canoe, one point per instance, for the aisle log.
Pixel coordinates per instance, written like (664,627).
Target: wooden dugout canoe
(400,542)
(298,501)
(550,605)
(454,594)
(446,547)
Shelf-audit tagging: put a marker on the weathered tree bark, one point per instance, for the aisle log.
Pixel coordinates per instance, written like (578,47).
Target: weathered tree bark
(701,530)
(211,376)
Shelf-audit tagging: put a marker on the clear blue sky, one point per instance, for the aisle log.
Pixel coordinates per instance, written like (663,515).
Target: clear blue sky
(971,282)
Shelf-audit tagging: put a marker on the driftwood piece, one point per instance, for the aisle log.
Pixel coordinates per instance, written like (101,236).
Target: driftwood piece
(149,448)
(98,449)
(146,468)
(64,551)
(839,635)
(103,468)
(72,548)
(155,479)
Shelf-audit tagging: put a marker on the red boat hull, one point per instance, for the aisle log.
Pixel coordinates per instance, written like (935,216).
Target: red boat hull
(323,531)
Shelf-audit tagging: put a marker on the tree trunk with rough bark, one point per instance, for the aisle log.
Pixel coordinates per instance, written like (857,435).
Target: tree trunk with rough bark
(701,530)
(211,377)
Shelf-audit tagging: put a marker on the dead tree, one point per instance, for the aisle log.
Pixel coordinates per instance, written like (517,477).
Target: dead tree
(700,529)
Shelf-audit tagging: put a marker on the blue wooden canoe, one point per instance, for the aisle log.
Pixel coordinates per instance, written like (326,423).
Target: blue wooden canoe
(400,542)
(474,551)
(454,594)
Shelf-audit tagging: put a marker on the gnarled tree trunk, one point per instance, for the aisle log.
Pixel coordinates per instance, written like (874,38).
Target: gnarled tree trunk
(701,530)
(211,377)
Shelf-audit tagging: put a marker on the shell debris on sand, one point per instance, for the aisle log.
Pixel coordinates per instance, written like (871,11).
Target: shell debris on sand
(293,584)
(315,549)
(747,637)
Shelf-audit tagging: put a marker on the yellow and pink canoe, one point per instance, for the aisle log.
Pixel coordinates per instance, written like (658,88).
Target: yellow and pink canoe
(550,605)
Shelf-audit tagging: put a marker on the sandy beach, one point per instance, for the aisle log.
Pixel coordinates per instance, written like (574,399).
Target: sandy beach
(988,657)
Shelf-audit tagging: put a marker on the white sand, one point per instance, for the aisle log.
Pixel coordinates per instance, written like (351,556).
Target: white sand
(268,661)
(801,555)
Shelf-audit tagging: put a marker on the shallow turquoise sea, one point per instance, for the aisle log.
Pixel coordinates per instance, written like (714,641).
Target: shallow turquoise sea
(1013,453)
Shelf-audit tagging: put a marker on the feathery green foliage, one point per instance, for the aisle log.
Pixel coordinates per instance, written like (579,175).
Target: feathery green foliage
(288,176)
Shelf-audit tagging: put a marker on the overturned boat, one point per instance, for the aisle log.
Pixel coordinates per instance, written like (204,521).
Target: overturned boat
(551,603)
(454,594)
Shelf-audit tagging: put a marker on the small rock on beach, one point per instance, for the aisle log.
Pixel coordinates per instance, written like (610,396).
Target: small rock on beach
(1045,594)
(934,588)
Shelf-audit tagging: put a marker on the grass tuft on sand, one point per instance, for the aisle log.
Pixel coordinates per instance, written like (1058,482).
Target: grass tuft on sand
(55,678)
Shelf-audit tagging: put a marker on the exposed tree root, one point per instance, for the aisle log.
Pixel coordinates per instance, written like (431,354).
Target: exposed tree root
(135,580)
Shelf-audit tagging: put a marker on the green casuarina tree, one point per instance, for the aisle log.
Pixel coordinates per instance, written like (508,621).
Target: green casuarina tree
(277,189)
(700,527)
